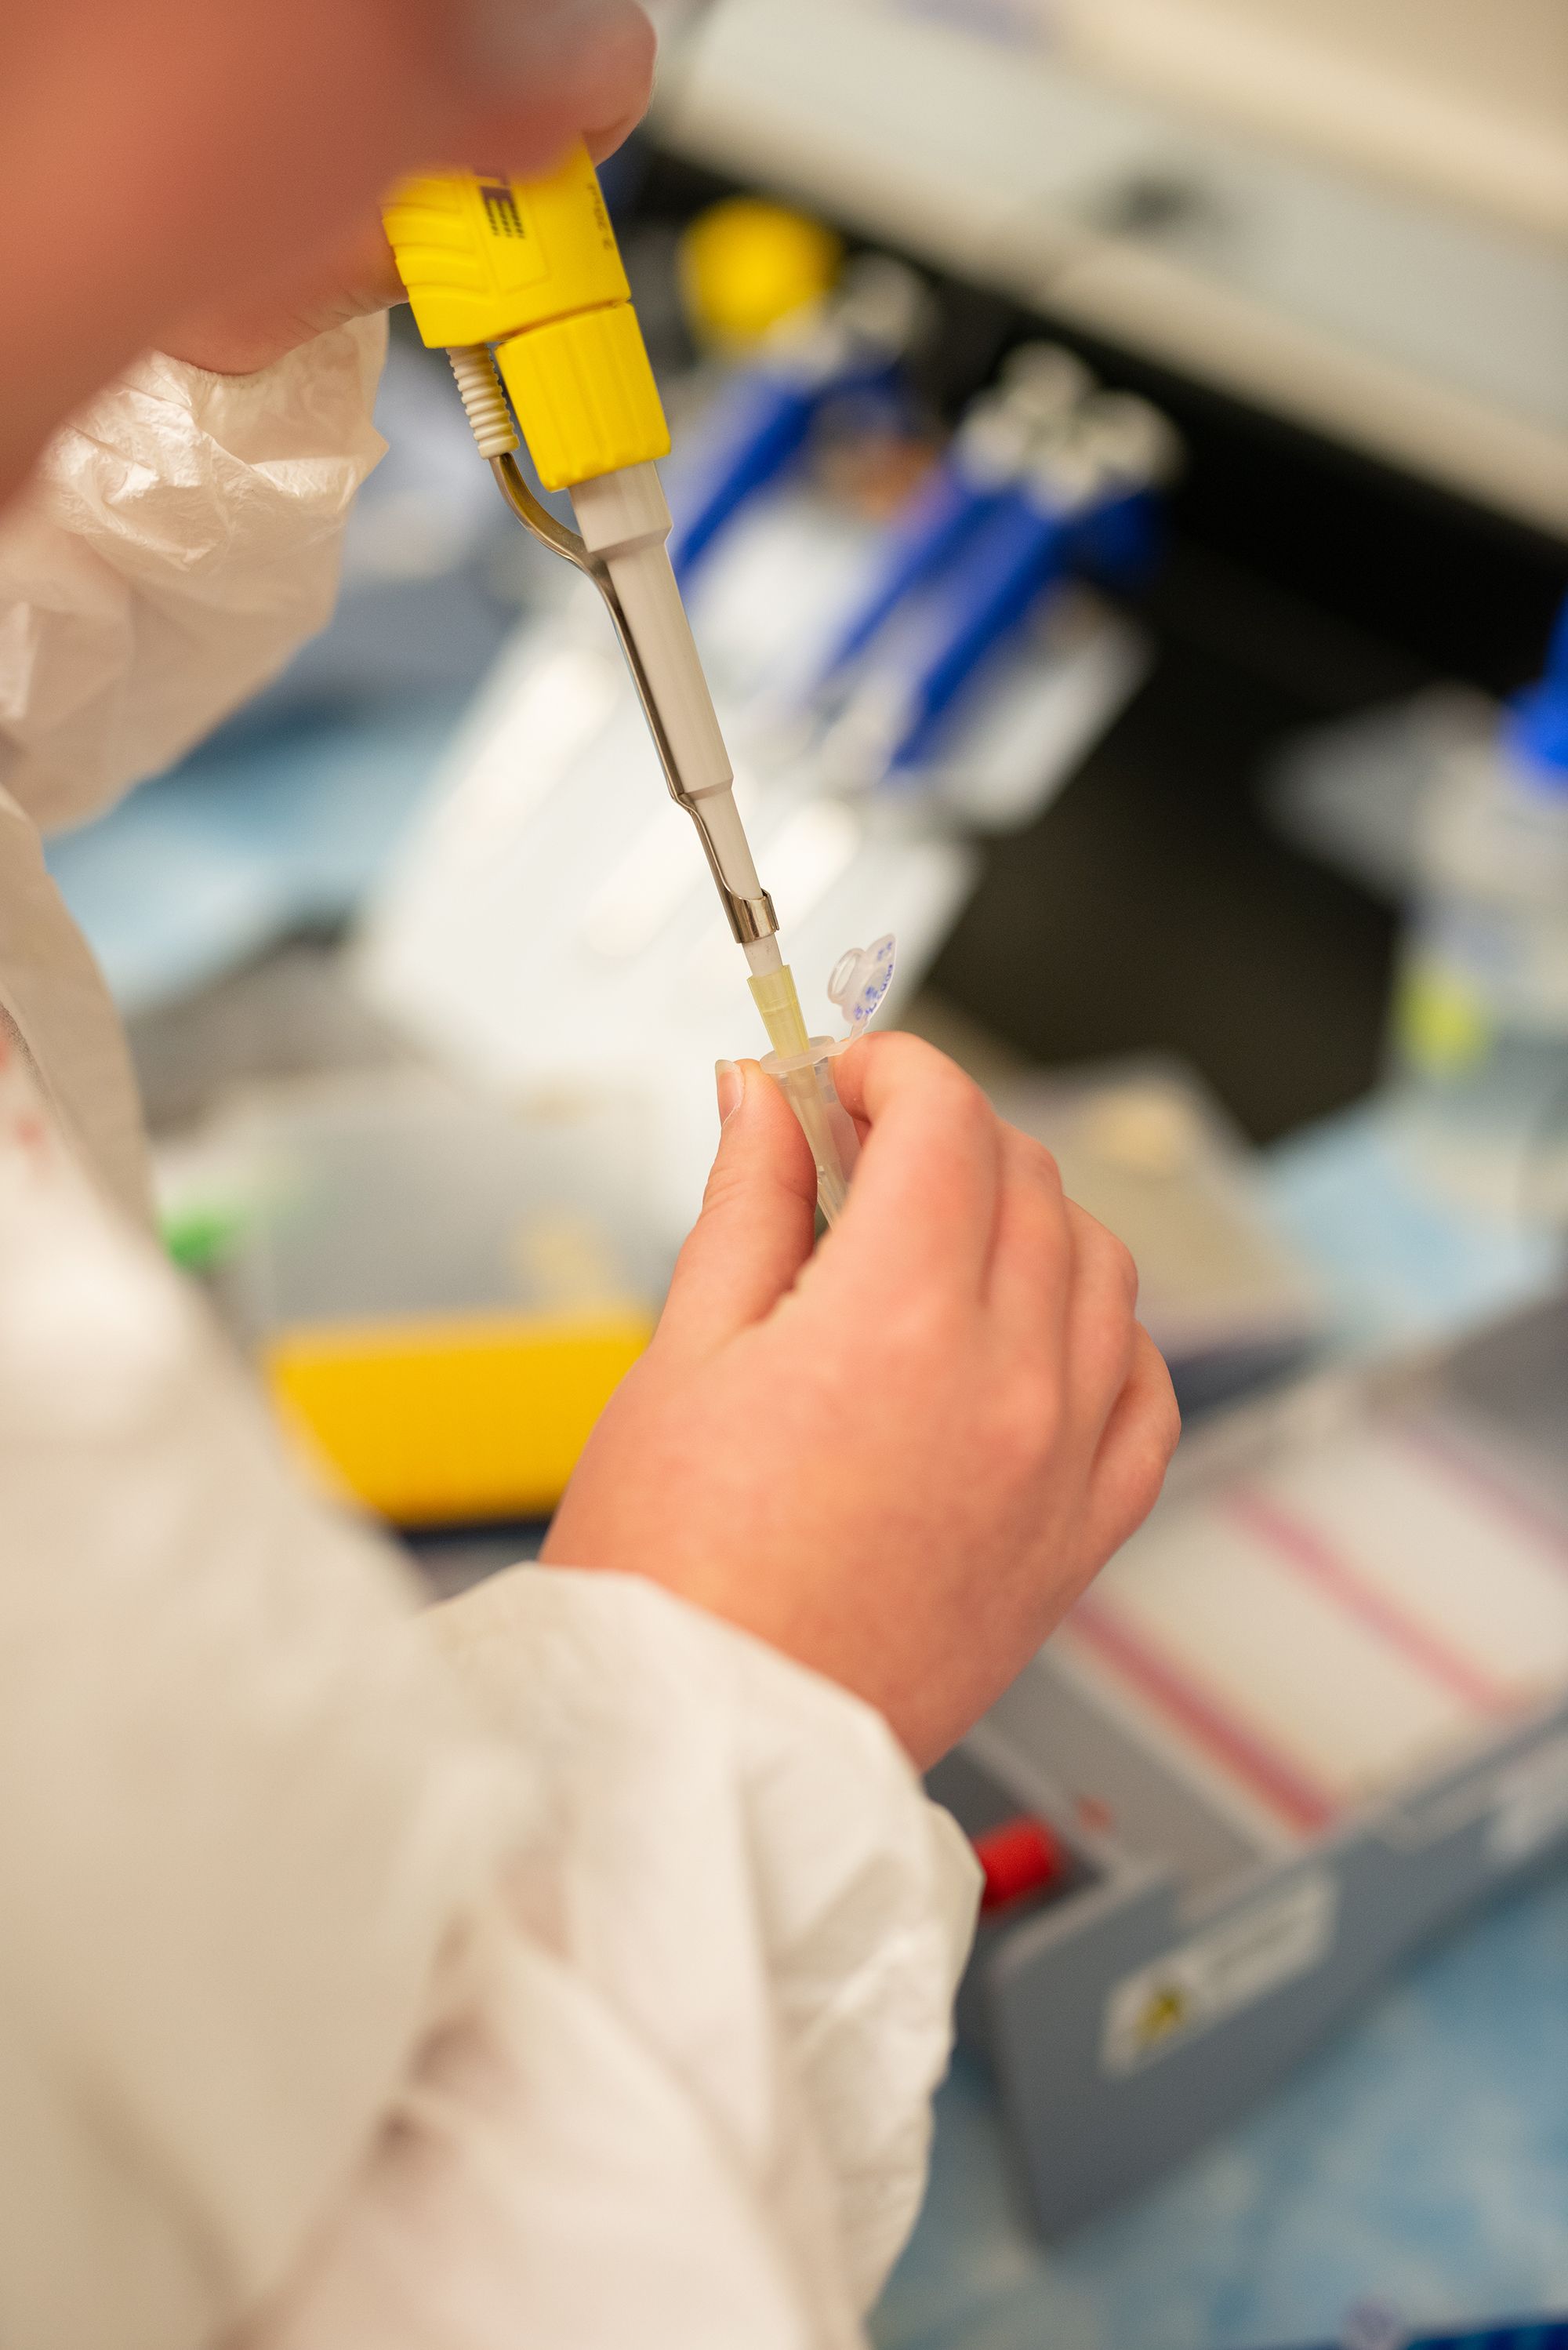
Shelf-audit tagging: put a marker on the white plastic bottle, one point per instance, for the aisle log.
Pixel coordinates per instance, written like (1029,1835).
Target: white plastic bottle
(1482,1014)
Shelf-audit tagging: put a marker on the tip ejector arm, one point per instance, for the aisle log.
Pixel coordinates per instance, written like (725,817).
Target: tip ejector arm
(624,522)
(532,268)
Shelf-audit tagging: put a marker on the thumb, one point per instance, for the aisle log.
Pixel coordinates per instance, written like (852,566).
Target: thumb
(759,1215)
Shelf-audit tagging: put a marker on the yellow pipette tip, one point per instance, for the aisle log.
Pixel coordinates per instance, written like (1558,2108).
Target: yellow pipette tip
(776,998)
(775,995)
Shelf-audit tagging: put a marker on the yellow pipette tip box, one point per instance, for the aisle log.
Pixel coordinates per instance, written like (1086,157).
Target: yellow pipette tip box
(441,1293)
(449,1420)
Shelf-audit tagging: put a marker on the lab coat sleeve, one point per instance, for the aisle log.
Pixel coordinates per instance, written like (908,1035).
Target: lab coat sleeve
(692,2109)
(181,539)
(561,1967)
(249,1835)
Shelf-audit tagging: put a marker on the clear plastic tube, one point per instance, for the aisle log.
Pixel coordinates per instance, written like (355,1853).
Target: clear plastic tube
(800,1063)
(808,1088)
(803,1064)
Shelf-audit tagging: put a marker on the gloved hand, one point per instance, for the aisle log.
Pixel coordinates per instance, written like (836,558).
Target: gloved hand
(900,1459)
(205,179)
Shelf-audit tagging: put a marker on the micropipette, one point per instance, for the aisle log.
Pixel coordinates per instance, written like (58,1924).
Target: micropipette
(852,342)
(521,283)
(988,460)
(1092,463)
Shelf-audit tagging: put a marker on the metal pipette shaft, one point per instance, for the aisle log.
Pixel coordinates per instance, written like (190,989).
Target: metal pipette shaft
(624,523)
(625,526)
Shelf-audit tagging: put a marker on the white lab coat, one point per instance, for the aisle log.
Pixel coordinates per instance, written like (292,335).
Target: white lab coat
(560,1968)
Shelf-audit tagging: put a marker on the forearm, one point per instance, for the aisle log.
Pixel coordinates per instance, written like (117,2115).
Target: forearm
(249,1835)
(692,2107)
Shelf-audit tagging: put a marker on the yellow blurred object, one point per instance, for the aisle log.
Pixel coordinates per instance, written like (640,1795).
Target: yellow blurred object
(532,267)
(432,1421)
(1441,1024)
(774,993)
(746,265)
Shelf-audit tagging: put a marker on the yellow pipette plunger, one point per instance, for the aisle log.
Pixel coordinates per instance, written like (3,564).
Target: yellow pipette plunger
(521,283)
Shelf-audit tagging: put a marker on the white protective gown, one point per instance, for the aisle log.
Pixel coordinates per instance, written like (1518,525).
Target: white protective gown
(558,1968)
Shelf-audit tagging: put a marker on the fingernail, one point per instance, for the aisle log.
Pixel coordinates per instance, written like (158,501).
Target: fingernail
(732,1089)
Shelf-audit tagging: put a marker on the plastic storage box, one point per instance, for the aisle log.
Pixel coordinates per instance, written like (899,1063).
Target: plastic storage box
(1316,1709)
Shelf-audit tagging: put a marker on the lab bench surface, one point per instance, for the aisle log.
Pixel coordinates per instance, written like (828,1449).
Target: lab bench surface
(1420,2161)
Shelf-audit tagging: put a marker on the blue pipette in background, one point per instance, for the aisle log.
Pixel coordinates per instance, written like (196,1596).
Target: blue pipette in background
(1502,2334)
(854,344)
(986,466)
(1104,462)
(1536,729)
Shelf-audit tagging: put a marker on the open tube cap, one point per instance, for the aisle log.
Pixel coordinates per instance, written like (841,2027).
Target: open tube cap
(861,978)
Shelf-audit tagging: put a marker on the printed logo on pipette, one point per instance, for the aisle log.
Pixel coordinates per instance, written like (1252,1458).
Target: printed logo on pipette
(500,211)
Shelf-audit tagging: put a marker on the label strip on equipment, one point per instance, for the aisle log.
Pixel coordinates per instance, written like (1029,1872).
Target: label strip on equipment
(1201,1982)
(1287,1790)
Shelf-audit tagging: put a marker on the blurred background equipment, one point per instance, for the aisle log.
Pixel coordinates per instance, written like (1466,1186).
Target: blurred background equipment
(1370,2327)
(1353,217)
(1292,1728)
(1227,1301)
(1120,491)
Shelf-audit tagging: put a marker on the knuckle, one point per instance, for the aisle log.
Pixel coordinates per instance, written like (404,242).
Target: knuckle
(965,1109)
(1036,1160)
(1149,1475)
(1117,1263)
(1137,1489)
(1151,1457)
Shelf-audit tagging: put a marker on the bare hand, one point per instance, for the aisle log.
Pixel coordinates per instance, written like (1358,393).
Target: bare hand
(241,338)
(900,1459)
